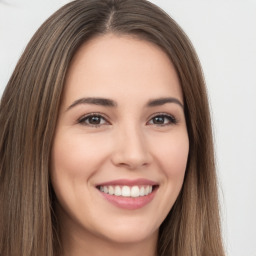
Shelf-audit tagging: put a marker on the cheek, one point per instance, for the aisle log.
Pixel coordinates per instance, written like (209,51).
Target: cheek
(172,155)
(74,160)
(171,158)
(72,155)
(177,159)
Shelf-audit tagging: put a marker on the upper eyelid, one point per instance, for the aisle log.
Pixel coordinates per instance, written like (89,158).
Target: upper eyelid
(173,117)
(105,117)
(162,114)
(94,114)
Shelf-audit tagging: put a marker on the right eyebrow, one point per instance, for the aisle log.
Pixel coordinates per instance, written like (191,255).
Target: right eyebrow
(93,101)
(162,101)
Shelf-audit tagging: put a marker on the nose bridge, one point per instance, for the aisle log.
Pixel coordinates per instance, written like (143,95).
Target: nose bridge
(131,147)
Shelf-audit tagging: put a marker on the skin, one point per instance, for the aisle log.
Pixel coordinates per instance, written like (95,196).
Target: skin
(129,142)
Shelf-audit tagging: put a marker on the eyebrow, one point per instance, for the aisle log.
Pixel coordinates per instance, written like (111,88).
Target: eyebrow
(93,101)
(110,103)
(162,101)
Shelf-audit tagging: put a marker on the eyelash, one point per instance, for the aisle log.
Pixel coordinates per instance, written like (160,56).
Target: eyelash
(85,120)
(171,119)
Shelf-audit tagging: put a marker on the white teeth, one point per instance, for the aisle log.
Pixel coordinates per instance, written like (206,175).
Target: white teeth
(135,191)
(126,191)
(146,190)
(142,191)
(118,191)
(111,190)
(105,189)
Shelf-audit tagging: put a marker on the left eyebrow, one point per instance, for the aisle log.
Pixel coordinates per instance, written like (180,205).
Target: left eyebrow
(162,101)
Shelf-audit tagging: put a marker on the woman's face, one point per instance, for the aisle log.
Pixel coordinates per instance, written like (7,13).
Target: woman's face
(121,144)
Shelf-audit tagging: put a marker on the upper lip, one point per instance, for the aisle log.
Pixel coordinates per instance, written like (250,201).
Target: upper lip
(128,182)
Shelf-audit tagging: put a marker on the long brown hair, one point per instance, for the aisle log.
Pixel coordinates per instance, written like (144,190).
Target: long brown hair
(28,114)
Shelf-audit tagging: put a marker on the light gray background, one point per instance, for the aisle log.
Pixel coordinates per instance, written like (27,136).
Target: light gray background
(224,35)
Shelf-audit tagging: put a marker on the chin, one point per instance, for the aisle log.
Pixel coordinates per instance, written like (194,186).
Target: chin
(130,235)
(128,231)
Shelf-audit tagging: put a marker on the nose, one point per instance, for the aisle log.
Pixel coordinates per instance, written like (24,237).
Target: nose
(130,149)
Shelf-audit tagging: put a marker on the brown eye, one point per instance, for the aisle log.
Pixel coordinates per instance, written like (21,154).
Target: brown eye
(162,120)
(93,120)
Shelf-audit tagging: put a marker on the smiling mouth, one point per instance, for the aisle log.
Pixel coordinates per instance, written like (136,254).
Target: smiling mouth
(128,191)
(128,194)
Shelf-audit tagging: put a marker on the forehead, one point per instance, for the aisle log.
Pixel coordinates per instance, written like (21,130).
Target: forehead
(110,66)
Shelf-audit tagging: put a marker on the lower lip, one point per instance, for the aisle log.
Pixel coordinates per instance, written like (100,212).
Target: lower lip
(130,203)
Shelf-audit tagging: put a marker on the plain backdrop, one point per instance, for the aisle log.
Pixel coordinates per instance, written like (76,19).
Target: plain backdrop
(224,35)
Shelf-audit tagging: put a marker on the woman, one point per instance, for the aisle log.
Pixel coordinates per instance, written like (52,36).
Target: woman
(106,143)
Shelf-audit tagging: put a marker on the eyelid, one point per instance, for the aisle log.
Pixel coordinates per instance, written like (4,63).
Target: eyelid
(171,116)
(99,114)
